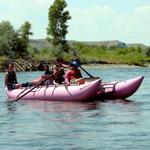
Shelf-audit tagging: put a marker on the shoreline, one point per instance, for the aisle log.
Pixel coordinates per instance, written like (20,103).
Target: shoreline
(108,66)
(19,68)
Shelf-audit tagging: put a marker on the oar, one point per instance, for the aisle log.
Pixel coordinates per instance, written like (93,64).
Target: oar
(86,72)
(37,85)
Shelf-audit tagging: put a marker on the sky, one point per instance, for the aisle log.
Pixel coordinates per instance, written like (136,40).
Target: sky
(91,20)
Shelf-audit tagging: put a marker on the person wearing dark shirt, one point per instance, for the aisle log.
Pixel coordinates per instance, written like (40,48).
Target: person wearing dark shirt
(47,74)
(11,78)
(59,75)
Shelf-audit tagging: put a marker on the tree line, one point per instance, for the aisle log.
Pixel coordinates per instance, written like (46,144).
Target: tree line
(14,43)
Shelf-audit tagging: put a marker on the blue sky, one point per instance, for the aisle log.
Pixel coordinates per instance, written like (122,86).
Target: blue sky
(92,20)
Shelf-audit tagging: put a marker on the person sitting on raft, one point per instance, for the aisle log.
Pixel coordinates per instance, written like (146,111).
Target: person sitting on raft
(59,76)
(47,74)
(11,78)
(74,76)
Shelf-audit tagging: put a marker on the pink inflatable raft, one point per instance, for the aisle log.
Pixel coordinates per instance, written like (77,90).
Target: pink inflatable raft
(119,89)
(84,92)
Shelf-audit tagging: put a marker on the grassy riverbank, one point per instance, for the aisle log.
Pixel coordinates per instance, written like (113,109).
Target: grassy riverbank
(96,54)
(116,55)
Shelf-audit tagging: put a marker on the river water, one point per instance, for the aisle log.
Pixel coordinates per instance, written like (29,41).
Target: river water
(111,125)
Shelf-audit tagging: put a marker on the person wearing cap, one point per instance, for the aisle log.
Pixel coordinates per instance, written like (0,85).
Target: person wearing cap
(74,76)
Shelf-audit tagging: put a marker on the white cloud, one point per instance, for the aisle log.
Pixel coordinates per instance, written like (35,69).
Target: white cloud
(90,21)
(19,11)
(105,23)
(143,10)
(91,24)
(27,2)
(42,2)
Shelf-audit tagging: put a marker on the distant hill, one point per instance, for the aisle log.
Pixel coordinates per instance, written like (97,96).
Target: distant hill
(136,44)
(108,43)
(43,43)
(39,43)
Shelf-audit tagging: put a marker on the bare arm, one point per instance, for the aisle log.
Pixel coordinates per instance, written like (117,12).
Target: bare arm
(67,75)
(54,68)
(65,66)
(6,78)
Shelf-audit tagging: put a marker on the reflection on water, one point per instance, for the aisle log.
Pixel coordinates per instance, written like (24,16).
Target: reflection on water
(121,101)
(62,106)
(66,106)
(73,111)
(74,120)
(101,108)
(11,106)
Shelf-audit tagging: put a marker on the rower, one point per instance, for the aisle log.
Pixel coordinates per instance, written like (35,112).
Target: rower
(47,74)
(59,76)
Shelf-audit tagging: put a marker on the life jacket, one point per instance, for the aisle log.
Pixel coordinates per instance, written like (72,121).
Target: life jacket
(75,74)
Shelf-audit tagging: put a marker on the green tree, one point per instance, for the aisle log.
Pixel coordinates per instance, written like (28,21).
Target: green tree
(57,27)
(147,51)
(8,39)
(23,41)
